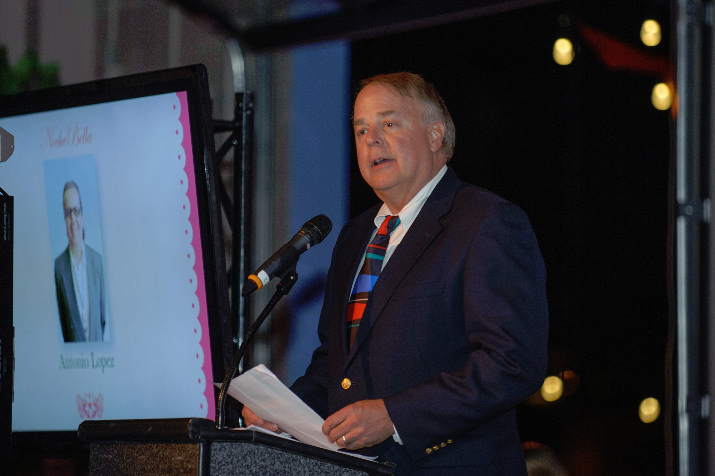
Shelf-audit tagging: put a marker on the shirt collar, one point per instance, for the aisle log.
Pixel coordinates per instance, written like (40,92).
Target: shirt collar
(409,212)
(81,260)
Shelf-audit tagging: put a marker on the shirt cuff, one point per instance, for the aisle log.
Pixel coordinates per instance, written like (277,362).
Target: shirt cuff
(396,437)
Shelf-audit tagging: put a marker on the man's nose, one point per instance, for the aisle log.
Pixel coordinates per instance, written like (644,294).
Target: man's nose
(374,136)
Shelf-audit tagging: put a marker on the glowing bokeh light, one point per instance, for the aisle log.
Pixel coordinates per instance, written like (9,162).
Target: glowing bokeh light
(552,388)
(661,97)
(563,51)
(649,410)
(651,34)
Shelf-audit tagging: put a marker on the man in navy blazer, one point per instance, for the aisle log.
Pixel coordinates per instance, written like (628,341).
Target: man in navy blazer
(454,333)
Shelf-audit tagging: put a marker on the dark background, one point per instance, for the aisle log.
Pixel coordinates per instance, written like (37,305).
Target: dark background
(582,150)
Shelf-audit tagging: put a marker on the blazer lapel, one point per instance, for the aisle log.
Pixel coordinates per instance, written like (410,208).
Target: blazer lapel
(75,320)
(421,234)
(348,267)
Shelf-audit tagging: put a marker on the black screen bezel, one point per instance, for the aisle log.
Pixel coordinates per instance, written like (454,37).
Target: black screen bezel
(194,80)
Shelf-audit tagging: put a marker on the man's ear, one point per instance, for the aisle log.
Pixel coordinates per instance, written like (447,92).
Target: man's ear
(436,135)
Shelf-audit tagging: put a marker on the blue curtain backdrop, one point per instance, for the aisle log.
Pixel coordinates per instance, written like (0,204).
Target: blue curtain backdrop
(320,159)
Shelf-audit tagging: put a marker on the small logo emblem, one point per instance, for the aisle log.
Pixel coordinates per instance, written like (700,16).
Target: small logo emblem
(90,406)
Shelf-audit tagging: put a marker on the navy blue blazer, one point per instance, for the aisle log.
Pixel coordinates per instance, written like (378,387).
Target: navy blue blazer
(71,323)
(453,338)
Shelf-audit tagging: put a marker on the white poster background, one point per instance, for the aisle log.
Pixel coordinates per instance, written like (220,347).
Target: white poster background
(130,159)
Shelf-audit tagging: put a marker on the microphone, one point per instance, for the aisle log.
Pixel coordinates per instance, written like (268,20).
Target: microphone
(312,233)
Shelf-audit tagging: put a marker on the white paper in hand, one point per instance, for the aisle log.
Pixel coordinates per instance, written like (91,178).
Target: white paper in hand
(261,391)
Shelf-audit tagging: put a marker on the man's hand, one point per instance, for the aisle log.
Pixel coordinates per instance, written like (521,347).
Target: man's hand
(361,424)
(250,418)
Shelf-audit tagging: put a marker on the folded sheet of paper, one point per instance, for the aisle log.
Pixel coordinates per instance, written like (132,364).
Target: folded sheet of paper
(261,391)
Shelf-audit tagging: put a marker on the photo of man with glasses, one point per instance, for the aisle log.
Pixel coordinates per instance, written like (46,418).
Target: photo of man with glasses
(79,277)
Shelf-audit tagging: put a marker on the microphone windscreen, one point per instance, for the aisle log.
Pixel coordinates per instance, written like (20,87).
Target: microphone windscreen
(317,228)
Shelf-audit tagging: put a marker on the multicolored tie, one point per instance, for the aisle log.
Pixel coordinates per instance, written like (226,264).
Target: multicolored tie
(374,257)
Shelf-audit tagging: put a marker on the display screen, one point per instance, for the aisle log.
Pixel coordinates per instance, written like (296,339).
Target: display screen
(117,263)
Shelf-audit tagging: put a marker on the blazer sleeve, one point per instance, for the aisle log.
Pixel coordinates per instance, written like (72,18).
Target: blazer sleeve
(502,287)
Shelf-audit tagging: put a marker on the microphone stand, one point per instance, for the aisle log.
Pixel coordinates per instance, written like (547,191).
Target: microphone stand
(288,279)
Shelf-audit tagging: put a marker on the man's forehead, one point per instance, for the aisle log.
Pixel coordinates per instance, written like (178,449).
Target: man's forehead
(379,114)
(70,193)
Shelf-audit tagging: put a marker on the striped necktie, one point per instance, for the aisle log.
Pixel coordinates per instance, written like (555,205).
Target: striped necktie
(374,257)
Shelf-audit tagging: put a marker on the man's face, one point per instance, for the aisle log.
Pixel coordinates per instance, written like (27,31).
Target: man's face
(73,216)
(397,153)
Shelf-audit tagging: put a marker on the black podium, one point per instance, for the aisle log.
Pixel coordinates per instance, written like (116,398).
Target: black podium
(194,446)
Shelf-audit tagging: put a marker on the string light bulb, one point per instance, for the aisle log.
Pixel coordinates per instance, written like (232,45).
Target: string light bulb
(563,51)
(552,389)
(649,410)
(651,33)
(661,97)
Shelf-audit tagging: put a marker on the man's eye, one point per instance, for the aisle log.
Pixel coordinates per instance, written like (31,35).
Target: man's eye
(360,132)
(389,124)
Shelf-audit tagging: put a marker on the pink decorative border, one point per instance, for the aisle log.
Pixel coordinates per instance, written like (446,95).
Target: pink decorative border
(203,319)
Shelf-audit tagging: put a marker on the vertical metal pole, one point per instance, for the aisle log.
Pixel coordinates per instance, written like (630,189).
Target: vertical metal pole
(238,209)
(692,150)
(242,211)
(710,440)
(242,216)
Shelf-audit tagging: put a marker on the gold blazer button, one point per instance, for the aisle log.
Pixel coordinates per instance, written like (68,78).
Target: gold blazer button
(346,383)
